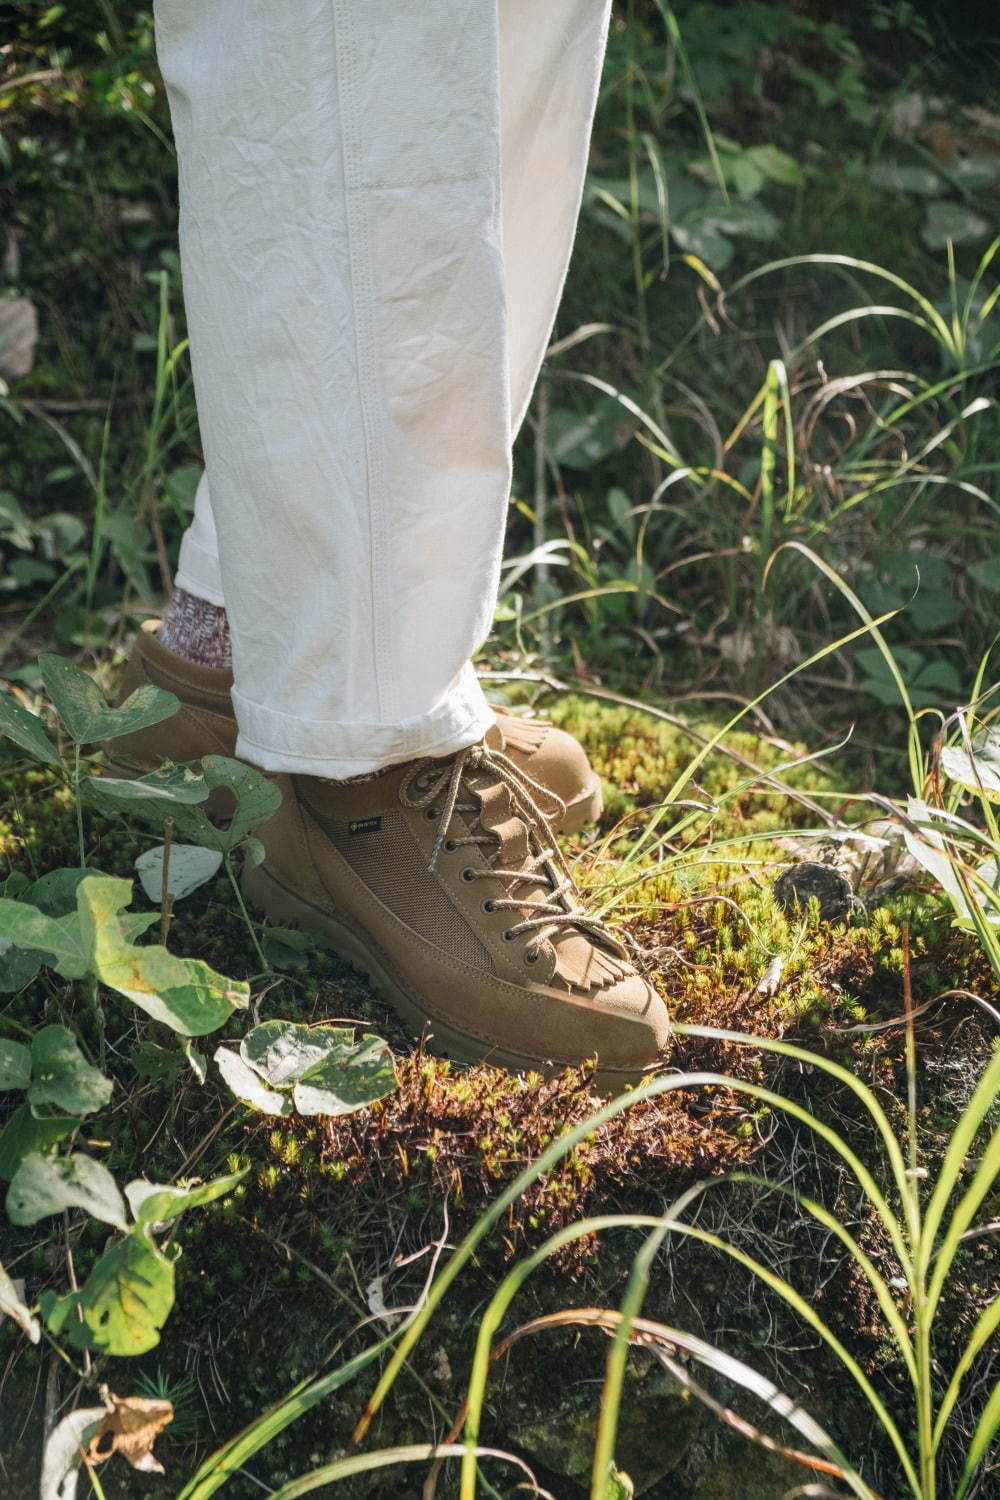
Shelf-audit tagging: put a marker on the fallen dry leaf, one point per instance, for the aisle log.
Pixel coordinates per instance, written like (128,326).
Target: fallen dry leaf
(133,1424)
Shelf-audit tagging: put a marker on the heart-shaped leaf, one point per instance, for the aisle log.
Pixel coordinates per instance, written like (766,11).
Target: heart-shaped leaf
(26,730)
(255,798)
(62,1076)
(152,1203)
(15,1065)
(247,1086)
(124,1302)
(85,711)
(12,1306)
(190,866)
(25,1132)
(44,1185)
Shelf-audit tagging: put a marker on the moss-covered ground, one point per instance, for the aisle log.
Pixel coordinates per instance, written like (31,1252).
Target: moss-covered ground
(337,1220)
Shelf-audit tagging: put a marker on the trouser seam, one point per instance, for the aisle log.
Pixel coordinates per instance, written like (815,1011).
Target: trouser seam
(360,251)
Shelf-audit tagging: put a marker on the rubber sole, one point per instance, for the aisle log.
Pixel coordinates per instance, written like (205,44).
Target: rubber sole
(272,897)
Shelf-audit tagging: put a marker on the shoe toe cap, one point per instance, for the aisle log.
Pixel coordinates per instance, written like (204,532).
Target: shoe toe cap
(549,755)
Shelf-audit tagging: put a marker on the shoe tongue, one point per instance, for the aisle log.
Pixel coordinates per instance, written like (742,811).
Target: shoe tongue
(498,816)
(580,961)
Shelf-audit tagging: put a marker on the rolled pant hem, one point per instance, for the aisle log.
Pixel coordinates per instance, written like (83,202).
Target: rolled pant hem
(279,742)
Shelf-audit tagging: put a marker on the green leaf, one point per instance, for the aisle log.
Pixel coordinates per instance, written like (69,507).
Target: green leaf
(987,574)
(190,866)
(152,1203)
(25,729)
(947,220)
(282,1052)
(25,1132)
(899,178)
(777,165)
(155,797)
(332,1074)
(619,1486)
(257,797)
(18,967)
(582,439)
(352,1076)
(929,683)
(62,1076)
(254,853)
(698,237)
(750,219)
(184,993)
(247,1087)
(125,1300)
(287,947)
(161,1064)
(11,1306)
(85,711)
(55,892)
(979,768)
(15,1066)
(44,1185)
(59,938)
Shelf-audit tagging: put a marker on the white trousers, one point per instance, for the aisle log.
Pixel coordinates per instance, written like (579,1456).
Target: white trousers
(378,201)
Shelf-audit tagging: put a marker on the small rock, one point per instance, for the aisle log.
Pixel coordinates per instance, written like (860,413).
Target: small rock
(796,887)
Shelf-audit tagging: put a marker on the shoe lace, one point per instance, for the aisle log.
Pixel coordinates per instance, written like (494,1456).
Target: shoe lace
(429,780)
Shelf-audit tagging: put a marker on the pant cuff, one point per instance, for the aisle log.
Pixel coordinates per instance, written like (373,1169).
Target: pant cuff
(310,747)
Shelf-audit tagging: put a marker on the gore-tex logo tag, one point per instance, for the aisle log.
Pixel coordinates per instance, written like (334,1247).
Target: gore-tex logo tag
(364,825)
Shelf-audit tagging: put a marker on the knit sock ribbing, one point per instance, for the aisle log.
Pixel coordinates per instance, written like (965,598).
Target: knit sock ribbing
(196,630)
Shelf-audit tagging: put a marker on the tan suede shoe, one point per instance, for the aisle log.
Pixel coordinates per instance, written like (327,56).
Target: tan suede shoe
(205,725)
(440,879)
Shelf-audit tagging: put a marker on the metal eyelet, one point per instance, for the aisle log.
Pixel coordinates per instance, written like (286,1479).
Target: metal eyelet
(432,814)
(488,907)
(467,876)
(508,936)
(450,846)
(532,955)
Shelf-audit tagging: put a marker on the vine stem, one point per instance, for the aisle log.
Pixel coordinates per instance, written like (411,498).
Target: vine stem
(166,896)
(79,805)
(245,913)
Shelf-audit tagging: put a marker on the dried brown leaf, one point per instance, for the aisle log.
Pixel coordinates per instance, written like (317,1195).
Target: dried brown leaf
(133,1424)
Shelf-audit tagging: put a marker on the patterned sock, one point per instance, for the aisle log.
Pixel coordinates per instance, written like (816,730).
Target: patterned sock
(196,630)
